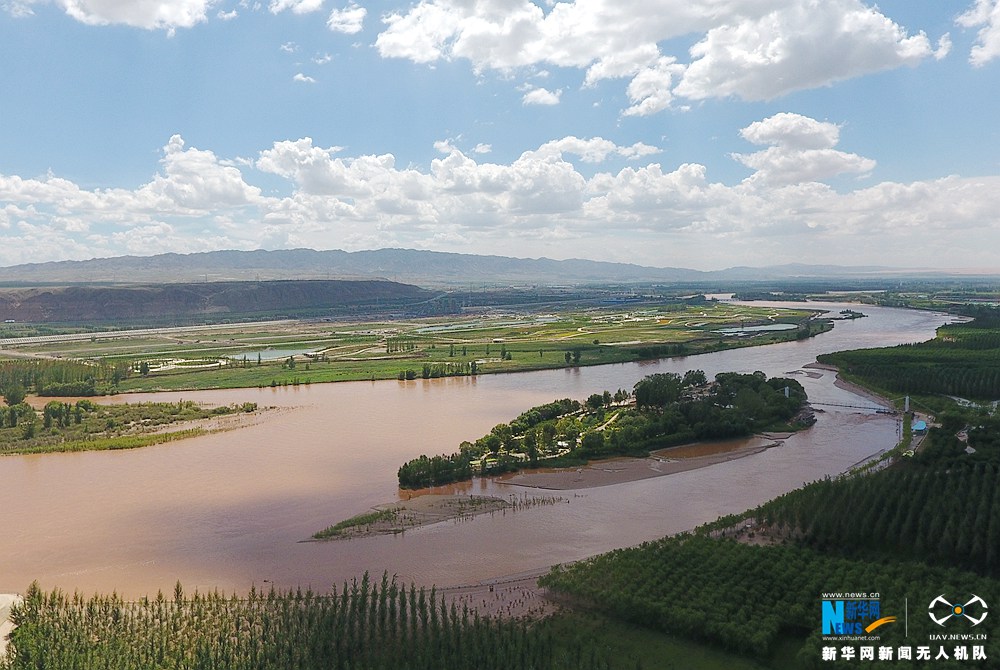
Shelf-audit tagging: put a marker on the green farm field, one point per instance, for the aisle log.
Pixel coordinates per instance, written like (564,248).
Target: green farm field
(301,352)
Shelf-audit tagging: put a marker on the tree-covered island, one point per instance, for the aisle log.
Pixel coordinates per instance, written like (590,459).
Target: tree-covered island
(662,410)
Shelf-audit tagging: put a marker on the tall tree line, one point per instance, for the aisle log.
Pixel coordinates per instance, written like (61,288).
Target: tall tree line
(962,360)
(381,625)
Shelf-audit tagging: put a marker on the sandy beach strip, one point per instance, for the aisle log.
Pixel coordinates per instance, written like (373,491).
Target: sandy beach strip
(659,463)
(7,600)
(512,596)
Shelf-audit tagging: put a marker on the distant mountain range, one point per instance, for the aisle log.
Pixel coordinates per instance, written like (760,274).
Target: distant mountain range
(425,268)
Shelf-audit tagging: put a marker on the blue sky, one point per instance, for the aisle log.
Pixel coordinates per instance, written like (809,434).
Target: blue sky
(700,134)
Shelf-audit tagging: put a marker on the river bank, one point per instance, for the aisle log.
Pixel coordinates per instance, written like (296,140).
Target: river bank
(852,387)
(7,600)
(513,596)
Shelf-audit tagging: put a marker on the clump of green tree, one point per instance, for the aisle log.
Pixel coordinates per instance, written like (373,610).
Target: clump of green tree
(669,409)
(674,410)
(365,625)
(395,345)
(63,378)
(84,425)
(647,351)
(438,370)
(426,471)
(745,598)
(543,413)
(435,470)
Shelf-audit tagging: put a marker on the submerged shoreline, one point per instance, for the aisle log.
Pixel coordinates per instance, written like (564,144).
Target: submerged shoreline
(425,510)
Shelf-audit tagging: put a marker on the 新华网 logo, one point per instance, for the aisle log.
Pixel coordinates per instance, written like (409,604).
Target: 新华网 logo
(845,616)
(941,611)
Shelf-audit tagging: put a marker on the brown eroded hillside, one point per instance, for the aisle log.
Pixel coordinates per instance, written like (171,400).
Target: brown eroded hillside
(159,302)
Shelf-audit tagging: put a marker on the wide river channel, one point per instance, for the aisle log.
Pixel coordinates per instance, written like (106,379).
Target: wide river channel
(229,510)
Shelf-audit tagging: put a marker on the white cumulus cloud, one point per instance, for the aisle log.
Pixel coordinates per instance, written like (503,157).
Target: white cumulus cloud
(350,20)
(150,14)
(624,63)
(752,49)
(314,170)
(985,15)
(196,180)
(190,197)
(793,131)
(501,34)
(802,45)
(650,89)
(802,151)
(594,150)
(296,6)
(542,96)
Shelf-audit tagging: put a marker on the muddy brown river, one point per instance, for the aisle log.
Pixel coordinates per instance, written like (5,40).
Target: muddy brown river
(229,510)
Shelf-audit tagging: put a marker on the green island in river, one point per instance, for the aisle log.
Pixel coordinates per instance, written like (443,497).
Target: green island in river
(663,410)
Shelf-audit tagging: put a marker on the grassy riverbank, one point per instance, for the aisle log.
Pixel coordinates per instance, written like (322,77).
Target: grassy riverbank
(88,426)
(110,443)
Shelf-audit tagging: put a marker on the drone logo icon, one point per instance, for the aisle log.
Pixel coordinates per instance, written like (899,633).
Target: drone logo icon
(941,611)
